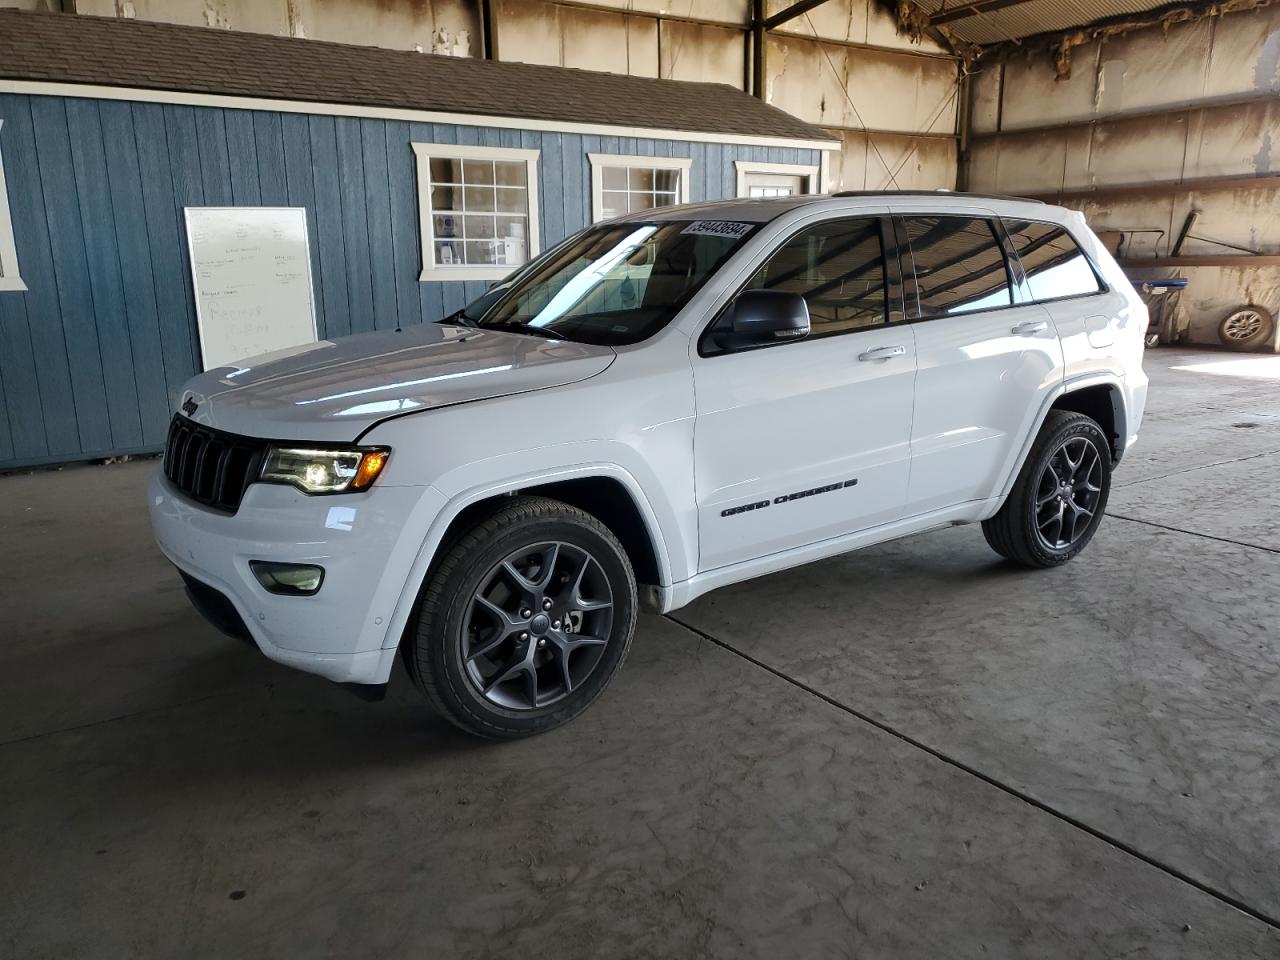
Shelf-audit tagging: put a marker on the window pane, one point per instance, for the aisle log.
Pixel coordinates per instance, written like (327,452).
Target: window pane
(1055,266)
(511,227)
(838,268)
(445,198)
(445,226)
(477,172)
(639,201)
(613,203)
(478,199)
(449,253)
(614,178)
(510,173)
(480,251)
(512,200)
(959,266)
(640,178)
(668,180)
(444,170)
(478,228)
(664,199)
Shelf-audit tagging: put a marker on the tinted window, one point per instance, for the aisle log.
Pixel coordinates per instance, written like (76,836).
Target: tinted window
(959,265)
(1054,265)
(615,283)
(838,268)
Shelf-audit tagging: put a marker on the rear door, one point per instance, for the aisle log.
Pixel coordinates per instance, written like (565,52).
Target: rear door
(807,440)
(1058,274)
(984,361)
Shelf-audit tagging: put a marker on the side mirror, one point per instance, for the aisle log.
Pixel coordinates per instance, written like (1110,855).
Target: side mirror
(759,318)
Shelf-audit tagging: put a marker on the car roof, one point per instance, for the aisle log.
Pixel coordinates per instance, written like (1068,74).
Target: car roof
(767,209)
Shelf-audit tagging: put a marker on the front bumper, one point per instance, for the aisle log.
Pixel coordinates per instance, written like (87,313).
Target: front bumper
(342,632)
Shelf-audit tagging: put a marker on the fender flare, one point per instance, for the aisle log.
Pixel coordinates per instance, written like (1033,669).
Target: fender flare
(1052,397)
(434,534)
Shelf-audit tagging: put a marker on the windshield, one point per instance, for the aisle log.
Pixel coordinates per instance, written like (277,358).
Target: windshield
(614,284)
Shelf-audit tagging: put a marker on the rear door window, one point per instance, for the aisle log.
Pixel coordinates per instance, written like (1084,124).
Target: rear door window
(960,267)
(1055,265)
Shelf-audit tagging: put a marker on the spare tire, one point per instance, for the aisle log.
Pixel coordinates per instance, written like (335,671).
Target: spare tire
(1247,327)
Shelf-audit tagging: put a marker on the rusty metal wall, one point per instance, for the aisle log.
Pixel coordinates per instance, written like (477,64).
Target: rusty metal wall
(843,65)
(1146,110)
(449,27)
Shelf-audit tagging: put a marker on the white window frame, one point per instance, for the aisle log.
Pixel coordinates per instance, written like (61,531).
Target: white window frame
(809,173)
(425,153)
(601,160)
(10,279)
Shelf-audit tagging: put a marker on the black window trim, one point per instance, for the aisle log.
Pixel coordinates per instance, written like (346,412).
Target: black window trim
(890,263)
(1103,287)
(998,234)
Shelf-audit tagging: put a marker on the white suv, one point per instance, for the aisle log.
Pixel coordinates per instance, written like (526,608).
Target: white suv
(682,398)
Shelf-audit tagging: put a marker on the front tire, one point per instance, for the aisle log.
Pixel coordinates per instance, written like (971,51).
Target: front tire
(525,620)
(1058,500)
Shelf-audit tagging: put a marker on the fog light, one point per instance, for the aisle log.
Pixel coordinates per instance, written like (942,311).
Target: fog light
(291,579)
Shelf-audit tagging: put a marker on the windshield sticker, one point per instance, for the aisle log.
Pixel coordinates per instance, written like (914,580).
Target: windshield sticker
(719,228)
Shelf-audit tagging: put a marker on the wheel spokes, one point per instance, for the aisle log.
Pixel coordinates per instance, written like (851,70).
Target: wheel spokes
(576,600)
(1068,492)
(520,645)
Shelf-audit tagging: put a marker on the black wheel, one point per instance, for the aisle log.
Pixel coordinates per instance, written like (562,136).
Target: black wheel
(1058,500)
(525,620)
(1246,327)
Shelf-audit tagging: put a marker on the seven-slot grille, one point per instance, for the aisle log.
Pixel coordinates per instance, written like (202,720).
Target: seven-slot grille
(211,466)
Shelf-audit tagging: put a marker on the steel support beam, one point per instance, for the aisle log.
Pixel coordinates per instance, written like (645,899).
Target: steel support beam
(799,8)
(967,10)
(1206,260)
(1159,187)
(757,49)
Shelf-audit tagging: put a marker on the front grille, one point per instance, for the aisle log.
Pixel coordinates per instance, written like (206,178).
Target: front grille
(210,466)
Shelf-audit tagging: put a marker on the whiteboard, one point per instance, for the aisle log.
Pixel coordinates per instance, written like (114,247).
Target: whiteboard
(251,270)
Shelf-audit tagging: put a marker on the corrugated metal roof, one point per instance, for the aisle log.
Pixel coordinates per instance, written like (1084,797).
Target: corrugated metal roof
(1033,16)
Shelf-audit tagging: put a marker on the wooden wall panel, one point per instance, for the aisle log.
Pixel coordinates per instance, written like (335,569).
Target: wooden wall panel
(94,354)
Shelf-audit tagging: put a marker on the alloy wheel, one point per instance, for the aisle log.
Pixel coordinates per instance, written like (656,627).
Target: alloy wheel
(1069,492)
(537,626)
(1242,325)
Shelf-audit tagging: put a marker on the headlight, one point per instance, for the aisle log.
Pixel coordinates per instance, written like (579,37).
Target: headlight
(324,471)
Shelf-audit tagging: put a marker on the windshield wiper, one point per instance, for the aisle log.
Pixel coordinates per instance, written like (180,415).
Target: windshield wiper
(460,318)
(519,326)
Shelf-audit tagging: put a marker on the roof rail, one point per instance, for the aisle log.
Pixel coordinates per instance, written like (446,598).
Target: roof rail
(932,193)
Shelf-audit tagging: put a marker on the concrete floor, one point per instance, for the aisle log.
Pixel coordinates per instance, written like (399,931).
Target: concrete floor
(911,751)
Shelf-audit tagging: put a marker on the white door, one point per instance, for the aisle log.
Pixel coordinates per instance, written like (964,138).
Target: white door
(808,440)
(984,363)
(1087,317)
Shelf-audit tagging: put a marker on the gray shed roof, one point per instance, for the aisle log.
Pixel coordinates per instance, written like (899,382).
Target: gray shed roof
(70,48)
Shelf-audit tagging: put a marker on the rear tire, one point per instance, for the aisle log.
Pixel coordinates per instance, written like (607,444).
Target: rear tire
(1059,497)
(525,620)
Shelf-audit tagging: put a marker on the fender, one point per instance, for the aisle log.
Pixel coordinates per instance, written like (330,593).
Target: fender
(434,534)
(1014,466)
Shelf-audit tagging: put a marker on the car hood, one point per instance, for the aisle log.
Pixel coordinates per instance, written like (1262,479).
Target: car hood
(337,389)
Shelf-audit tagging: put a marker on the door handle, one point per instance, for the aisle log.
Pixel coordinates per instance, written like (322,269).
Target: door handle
(882,353)
(1029,328)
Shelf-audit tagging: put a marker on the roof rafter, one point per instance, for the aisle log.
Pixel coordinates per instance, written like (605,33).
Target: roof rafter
(976,8)
(799,8)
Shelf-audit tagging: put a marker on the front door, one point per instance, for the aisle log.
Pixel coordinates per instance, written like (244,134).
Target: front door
(985,363)
(804,441)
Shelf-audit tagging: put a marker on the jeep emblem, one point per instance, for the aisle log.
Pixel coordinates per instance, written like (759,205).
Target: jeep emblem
(189,406)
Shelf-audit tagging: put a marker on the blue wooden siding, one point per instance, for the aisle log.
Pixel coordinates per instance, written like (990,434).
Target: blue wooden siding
(93,353)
